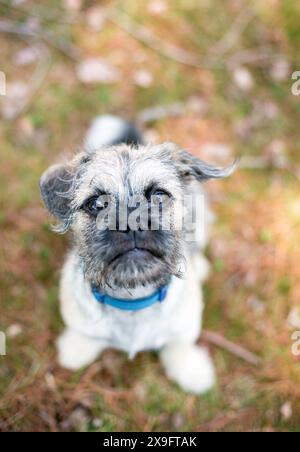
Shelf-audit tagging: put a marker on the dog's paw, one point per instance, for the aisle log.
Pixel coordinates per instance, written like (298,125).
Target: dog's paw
(189,366)
(76,351)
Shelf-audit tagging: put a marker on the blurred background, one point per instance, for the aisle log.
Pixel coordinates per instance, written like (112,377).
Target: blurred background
(216,78)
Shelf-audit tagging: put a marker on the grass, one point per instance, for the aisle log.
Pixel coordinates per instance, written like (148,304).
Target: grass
(255,242)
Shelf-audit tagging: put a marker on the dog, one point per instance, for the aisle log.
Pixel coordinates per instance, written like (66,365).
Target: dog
(132,288)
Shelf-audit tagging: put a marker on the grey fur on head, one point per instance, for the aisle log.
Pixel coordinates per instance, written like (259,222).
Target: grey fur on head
(117,258)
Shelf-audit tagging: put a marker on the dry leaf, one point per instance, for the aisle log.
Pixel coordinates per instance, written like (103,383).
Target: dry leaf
(157,7)
(95,18)
(14,330)
(97,70)
(280,70)
(143,78)
(243,78)
(294,318)
(26,56)
(16,93)
(217,152)
(73,5)
(286,411)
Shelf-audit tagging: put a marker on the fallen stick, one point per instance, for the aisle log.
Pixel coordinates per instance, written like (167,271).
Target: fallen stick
(23,30)
(142,34)
(35,84)
(235,349)
(167,50)
(237,28)
(161,112)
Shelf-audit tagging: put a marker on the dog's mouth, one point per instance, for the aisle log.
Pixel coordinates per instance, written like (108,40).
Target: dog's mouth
(136,253)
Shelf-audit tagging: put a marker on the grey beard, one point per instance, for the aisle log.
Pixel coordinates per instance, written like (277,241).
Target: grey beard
(157,273)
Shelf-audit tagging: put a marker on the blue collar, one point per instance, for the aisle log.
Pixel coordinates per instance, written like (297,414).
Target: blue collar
(131,305)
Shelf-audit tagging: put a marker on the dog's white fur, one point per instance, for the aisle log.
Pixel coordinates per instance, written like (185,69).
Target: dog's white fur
(172,327)
(110,126)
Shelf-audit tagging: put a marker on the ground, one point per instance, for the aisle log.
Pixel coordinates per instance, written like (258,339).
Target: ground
(222,73)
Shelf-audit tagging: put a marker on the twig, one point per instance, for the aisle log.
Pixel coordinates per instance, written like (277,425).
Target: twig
(165,49)
(190,105)
(239,24)
(36,82)
(6,26)
(231,347)
(25,31)
(250,56)
(224,419)
(160,112)
(42,13)
(254,162)
(263,163)
(174,53)
(28,35)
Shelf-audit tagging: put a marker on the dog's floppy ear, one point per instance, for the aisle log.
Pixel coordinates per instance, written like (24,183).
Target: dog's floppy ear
(190,166)
(56,185)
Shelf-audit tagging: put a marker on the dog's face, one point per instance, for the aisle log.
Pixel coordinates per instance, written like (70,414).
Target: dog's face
(143,182)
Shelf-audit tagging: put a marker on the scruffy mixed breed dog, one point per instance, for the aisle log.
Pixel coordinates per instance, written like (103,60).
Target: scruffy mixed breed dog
(132,280)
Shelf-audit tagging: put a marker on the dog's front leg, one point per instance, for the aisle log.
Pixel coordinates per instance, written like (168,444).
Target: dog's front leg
(76,351)
(189,365)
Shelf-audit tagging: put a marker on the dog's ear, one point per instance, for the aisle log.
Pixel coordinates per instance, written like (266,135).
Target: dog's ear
(190,166)
(56,186)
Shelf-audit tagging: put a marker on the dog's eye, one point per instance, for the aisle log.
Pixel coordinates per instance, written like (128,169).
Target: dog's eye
(94,205)
(160,196)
